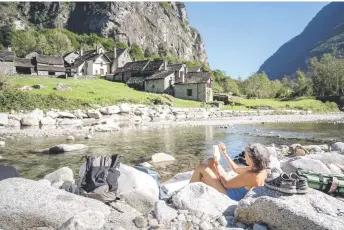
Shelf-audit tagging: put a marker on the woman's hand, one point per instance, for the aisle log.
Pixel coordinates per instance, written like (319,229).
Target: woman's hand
(223,149)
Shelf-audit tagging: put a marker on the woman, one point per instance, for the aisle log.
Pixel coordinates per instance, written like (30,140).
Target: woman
(253,175)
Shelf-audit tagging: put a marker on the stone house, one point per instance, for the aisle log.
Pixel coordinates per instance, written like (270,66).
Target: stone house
(49,65)
(24,65)
(195,86)
(7,62)
(119,57)
(160,82)
(179,69)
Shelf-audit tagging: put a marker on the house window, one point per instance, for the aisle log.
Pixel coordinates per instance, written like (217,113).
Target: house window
(153,86)
(101,64)
(189,92)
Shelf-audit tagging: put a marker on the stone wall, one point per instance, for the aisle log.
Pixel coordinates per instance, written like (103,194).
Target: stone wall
(124,59)
(42,73)
(155,86)
(198,92)
(7,68)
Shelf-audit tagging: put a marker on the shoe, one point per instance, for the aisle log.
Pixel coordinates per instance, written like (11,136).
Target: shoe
(283,183)
(301,183)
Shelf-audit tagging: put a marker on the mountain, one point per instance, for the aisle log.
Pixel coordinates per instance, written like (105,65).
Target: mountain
(151,25)
(323,34)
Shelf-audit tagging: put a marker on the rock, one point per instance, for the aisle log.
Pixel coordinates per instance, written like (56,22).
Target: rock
(140,222)
(274,163)
(162,157)
(292,164)
(47,121)
(87,220)
(181,218)
(222,220)
(124,108)
(70,138)
(62,174)
(137,188)
(107,128)
(328,158)
(66,115)
(66,148)
(62,87)
(13,123)
(3,119)
(314,210)
(29,204)
(79,114)
(259,227)
(313,148)
(334,169)
(52,114)
(163,212)
(30,120)
(94,114)
(153,223)
(172,187)
(44,182)
(25,88)
(38,87)
(67,121)
(272,151)
(88,137)
(123,219)
(205,226)
(57,184)
(200,197)
(110,110)
(146,164)
(2,143)
(338,147)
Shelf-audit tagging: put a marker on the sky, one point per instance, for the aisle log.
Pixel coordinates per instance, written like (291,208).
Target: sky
(240,36)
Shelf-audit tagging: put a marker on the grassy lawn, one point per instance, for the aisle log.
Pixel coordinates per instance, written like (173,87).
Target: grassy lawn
(84,94)
(300,104)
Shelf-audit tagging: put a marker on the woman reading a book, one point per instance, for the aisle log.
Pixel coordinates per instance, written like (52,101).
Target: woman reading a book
(253,175)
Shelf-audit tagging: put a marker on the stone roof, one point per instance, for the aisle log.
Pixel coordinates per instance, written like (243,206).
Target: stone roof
(7,56)
(133,66)
(160,75)
(49,60)
(50,68)
(154,65)
(119,52)
(23,62)
(194,69)
(195,78)
(31,55)
(175,67)
(88,55)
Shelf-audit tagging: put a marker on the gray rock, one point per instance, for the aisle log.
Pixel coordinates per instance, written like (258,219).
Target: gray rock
(137,188)
(44,182)
(79,114)
(3,119)
(30,120)
(62,87)
(140,222)
(162,157)
(328,158)
(57,185)
(2,143)
(222,220)
(314,210)
(70,138)
(66,115)
(163,212)
(94,114)
(62,148)
(88,220)
(205,226)
(110,110)
(107,128)
(338,147)
(13,123)
(88,137)
(47,121)
(313,148)
(259,227)
(124,219)
(240,225)
(200,197)
(52,114)
(292,164)
(124,108)
(62,174)
(153,223)
(181,217)
(67,121)
(38,86)
(29,204)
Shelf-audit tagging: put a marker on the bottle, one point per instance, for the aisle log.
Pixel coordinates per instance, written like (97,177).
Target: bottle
(216,152)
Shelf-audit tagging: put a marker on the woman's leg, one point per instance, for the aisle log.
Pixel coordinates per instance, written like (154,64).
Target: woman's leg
(204,174)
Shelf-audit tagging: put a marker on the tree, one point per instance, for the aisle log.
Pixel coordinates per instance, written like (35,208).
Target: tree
(5,35)
(136,52)
(23,42)
(42,46)
(148,53)
(59,43)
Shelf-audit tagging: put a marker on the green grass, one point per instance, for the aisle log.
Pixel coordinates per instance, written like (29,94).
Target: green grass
(300,104)
(84,94)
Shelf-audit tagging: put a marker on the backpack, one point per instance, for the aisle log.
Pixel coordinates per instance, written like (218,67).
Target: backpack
(332,184)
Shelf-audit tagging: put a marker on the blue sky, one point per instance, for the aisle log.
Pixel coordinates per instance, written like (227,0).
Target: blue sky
(240,36)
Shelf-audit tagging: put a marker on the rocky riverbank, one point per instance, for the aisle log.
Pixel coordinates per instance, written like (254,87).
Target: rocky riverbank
(42,205)
(112,118)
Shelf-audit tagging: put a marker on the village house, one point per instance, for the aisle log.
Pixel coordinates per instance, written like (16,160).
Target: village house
(195,86)
(160,82)
(49,65)
(119,58)
(7,62)
(24,65)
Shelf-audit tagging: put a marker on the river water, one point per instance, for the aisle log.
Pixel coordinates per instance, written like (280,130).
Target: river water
(189,145)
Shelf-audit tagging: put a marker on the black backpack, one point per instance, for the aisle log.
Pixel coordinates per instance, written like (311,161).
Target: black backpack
(100,171)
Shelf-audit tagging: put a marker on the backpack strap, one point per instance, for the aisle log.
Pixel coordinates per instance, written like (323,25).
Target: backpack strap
(115,160)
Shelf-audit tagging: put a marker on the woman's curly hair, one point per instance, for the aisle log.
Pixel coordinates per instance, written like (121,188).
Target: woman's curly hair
(260,157)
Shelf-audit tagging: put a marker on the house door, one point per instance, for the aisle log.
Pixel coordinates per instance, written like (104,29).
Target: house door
(101,72)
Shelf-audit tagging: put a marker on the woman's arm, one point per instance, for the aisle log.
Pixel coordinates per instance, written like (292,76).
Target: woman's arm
(236,182)
(232,164)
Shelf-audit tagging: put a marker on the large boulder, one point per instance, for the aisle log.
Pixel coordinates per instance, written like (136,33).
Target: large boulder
(32,119)
(52,114)
(137,188)
(314,148)
(328,158)
(292,164)
(62,174)
(89,220)
(338,147)
(199,197)
(110,110)
(162,157)
(66,115)
(314,210)
(124,108)
(3,119)
(94,114)
(47,121)
(163,212)
(62,148)
(29,204)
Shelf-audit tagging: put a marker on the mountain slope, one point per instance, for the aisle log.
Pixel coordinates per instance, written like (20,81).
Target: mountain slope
(152,25)
(323,34)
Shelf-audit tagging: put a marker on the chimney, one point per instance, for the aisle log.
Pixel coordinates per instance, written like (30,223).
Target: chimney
(81,52)
(165,65)
(114,53)
(9,48)
(97,49)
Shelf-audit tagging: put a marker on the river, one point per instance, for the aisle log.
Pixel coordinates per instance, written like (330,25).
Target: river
(188,144)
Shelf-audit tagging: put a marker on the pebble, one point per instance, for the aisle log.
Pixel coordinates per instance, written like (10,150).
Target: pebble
(195,220)
(205,226)
(240,225)
(88,137)
(259,227)
(181,217)
(2,143)
(222,220)
(140,222)
(70,138)
(153,223)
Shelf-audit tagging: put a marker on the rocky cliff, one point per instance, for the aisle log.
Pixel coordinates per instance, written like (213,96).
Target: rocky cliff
(324,34)
(149,24)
